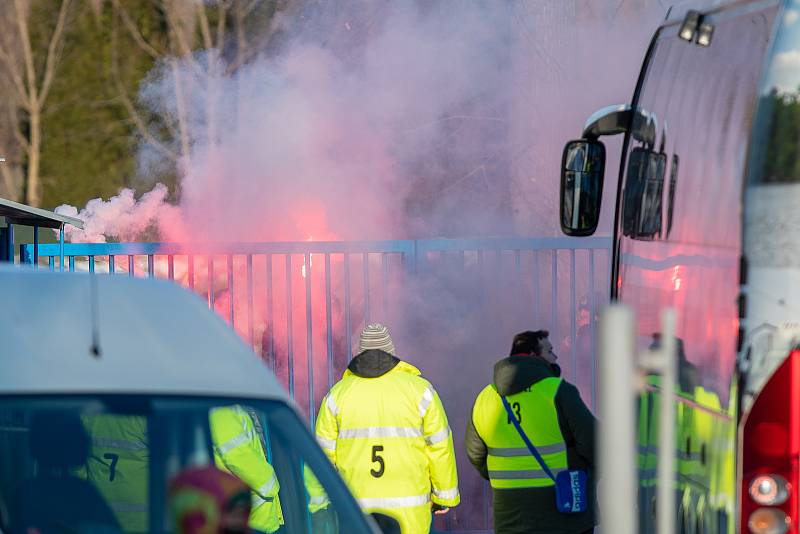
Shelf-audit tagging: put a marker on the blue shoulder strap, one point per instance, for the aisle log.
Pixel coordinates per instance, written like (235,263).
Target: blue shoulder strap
(525,438)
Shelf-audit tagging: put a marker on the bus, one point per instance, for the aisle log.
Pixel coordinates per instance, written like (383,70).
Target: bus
(707,221)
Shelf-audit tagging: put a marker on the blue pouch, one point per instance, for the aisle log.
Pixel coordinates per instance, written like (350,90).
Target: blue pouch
(571,491)
(570,484)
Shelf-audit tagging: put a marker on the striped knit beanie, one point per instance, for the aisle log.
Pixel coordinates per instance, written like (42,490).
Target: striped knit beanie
(376,336)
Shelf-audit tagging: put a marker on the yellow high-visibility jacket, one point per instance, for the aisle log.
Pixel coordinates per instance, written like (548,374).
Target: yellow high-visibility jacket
(509,462)
(389,439)
(238,450)
(118,466)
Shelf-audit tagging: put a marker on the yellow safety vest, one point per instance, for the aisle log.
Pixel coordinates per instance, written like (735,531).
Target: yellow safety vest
(388,436)
(509,462)
(118,466)
(238,450)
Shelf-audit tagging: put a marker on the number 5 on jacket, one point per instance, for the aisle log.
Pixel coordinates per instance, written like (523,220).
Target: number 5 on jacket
(379,460)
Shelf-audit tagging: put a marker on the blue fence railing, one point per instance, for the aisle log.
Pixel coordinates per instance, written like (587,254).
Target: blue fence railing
(551,265)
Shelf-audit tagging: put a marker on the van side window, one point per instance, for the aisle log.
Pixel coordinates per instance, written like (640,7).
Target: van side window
(642,198)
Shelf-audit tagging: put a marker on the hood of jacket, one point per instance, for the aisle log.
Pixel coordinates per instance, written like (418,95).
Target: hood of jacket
(374,363)
(515,373)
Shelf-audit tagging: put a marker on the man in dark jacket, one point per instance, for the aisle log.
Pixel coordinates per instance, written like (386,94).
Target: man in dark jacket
(555,419)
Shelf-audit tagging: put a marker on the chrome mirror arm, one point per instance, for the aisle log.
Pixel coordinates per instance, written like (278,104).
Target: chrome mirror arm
(612,120)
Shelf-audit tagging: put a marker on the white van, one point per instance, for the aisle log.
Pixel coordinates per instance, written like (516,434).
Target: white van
(107,390)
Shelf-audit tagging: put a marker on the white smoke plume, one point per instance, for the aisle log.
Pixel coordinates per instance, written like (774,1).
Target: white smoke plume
(387,120)
(122,217)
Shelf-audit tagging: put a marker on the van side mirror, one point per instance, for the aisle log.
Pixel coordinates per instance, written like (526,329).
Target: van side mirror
(582,170)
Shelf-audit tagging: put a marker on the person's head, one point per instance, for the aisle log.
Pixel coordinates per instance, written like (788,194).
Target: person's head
(206,500)
(376,337)
(58,442)
(534,343)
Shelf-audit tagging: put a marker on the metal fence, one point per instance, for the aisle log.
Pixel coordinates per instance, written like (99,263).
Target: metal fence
(451,304)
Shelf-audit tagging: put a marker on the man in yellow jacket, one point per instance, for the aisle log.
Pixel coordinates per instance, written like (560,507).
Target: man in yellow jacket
(384,428)
(238,450)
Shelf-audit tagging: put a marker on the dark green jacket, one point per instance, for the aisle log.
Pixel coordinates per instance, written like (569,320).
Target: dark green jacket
(533,510)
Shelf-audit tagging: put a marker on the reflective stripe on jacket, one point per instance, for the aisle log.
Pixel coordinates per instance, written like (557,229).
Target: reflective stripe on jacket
(510,464)
(238,450)
(118,466)
(389,438)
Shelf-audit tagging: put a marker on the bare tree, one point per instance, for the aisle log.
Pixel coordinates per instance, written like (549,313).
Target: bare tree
(206,41)
(31,70)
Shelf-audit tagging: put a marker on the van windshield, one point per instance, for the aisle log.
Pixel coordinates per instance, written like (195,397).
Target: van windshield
(158,464)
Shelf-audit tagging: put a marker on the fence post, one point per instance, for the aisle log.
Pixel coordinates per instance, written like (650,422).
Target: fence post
(617,432)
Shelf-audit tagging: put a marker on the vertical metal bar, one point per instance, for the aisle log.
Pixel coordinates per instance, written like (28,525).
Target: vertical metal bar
(347,318)
(309,341)
(665,493)
(151,268)
(554,288)
(71,264)
(91,264)
(190,270)
(36,245)
(111,267)
(572,316)
(537,290)
(231,296)
(61,248)
(131,266)
(210,283)
(617,439)
(250,306)
(385,287)
(592,331)
(365,260)
(517,260)
(171,267)
(51,262)
(289,330)
(270,315)
(8,246)
(329,319)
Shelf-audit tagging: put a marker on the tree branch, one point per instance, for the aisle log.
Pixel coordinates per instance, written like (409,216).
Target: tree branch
(27,55)
(12,69)
(221,25)
(251,7)
(134,31)
(141,127)
(176,25)
(54,51)
(205,29)
(24,144)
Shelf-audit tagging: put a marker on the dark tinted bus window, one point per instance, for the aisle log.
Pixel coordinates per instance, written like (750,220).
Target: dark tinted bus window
(643,194)
(673,182)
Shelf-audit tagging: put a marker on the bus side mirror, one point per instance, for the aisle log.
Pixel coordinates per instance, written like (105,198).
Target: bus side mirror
(582,169)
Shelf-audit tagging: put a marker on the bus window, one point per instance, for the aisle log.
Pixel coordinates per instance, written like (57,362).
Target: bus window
(643,193)
(673,181)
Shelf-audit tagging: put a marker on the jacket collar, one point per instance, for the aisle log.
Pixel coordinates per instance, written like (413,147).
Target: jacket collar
(515,373)
(375,363)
